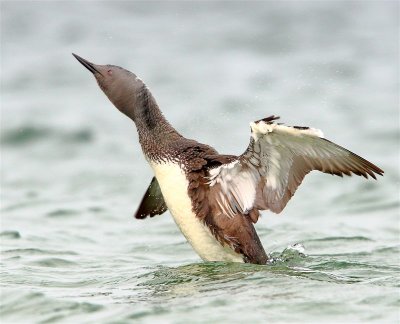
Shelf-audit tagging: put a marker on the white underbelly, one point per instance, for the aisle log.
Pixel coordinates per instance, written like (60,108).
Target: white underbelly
(174,184)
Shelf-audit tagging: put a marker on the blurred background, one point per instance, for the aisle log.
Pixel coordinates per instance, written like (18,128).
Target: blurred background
(72,171)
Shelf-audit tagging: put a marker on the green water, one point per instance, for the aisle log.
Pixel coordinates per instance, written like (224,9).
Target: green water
(72,172)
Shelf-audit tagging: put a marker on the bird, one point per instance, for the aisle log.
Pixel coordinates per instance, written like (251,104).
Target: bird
(215,199)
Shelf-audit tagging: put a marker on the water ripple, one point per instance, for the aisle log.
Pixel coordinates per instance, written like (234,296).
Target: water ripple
(33,251)
(30,134)
(10,234)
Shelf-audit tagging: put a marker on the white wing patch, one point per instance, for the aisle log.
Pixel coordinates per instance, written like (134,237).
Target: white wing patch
(262,128)
(238,187)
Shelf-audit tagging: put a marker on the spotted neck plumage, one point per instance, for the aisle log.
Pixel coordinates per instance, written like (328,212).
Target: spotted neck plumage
(155,133)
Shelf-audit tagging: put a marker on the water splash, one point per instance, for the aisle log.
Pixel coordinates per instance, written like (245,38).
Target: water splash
(292,254)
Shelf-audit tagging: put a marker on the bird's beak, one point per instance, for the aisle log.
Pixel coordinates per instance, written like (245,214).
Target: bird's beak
(90,66)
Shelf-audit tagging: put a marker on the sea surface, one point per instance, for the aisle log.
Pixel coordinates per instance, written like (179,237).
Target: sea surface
(72,171)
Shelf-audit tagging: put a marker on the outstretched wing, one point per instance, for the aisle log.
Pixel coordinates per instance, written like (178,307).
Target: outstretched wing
(152,202)
(275,163)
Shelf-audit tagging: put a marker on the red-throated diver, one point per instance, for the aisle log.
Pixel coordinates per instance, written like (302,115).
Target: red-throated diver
(215,199)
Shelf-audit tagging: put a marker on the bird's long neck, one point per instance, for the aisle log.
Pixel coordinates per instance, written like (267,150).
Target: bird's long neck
(155,132)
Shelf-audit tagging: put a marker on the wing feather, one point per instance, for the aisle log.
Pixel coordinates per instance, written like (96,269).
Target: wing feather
(152,203)
(275,163)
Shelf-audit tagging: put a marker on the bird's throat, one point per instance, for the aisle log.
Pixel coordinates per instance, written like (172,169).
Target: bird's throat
(153,128)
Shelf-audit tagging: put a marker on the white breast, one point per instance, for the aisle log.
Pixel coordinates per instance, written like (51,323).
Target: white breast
(174,185)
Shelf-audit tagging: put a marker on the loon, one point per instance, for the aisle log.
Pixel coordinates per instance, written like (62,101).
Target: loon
(216,199)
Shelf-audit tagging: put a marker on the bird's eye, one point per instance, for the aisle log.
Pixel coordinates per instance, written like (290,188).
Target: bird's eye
(109,72)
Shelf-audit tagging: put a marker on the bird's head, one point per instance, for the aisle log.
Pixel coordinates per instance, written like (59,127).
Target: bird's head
(122,87)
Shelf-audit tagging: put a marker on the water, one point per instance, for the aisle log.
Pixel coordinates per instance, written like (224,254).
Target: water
(72,171)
